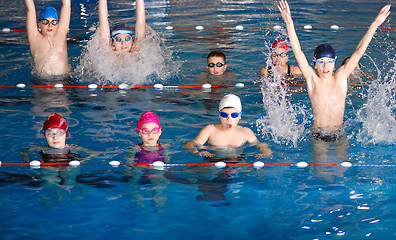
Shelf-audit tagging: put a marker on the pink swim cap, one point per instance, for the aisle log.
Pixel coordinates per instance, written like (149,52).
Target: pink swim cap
(279,44)
(148,117)
(55,121)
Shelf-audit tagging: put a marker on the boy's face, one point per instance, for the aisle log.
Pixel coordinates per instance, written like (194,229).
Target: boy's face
(56,137)
(229,122)
(216,70)
(279,57)
(324,67)
(122,42)
(150,133)
(48,26)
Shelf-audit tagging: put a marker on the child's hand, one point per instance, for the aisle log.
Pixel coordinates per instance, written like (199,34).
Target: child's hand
(382,15)
(263,155)
(205,154)
(284,9)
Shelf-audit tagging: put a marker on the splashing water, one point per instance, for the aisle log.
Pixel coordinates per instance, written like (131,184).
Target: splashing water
(281,120)
(378,115)
(153,62)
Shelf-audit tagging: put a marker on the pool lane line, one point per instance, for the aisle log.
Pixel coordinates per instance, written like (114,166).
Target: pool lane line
(238,27)
(159,164)
(156,86)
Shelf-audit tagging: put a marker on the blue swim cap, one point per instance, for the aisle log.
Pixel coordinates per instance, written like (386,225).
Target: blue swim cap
(324,50)
(48,12)
(121,28)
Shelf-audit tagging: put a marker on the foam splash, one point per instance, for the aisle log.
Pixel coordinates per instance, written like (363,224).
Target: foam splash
(281,120)
(378,115)
(152,63)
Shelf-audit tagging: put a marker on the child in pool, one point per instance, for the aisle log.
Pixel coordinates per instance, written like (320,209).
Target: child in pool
(55,132)
(327,90)
(150,150)
(121,38)
(216,69)
(228,134)
(358,75)
(279,54)
(47,41)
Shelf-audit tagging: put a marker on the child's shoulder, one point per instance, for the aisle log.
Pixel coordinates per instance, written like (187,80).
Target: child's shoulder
(245,131)
(211,127)
(136,147)
(165,145)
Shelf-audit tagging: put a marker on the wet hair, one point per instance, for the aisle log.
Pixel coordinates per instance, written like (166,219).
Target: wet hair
(216,53)
(347,58)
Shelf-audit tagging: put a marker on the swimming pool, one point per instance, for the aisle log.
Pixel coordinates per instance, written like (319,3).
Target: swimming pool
(197,202)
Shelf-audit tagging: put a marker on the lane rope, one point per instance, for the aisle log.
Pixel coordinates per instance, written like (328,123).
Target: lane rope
(161,165)
(238,27)
(157,86)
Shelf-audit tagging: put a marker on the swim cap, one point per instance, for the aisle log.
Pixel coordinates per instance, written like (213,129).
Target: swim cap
(121,28)
(324,50)
(279,44)
(148,117)
(55,121)
(48,12)
(230,100)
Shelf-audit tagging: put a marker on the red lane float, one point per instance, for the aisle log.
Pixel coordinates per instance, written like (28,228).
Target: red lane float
(159,164)
(238,27)
(156,86)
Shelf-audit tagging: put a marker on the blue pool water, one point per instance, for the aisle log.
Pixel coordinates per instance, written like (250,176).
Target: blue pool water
(275,202)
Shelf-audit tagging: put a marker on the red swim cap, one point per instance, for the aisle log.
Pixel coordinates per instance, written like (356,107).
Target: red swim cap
(148,117)
(279,44)
(55,121)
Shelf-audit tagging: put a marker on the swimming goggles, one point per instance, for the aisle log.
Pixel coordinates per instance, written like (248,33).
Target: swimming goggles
(59,133)
(321,61)
(233,115)
(46,22)
(126,39)
(219,64)
(146,131)
(284,54)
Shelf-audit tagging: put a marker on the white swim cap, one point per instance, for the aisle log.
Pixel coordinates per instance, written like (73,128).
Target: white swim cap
(230,100)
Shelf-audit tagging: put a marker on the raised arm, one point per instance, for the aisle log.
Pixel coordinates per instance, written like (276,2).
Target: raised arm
(104,27)
(306,70)
(347,69)
(64,20)
(140,27)
(31,22)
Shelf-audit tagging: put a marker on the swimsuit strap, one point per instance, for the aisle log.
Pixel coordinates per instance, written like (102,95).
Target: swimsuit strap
(288,70)
(160,148)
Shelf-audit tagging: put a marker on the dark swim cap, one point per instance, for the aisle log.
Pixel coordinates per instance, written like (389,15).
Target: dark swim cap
(324,50)
(121,28)
(48,12)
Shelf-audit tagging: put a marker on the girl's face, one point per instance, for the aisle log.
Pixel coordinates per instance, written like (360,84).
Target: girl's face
(279,57)
(56,137)
(122,42)
(150,133)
